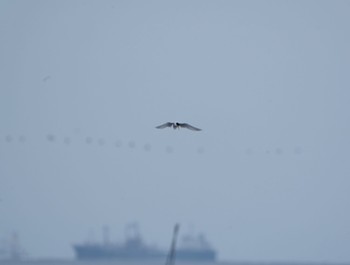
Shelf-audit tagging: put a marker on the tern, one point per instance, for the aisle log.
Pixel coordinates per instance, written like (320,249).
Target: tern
(177,125)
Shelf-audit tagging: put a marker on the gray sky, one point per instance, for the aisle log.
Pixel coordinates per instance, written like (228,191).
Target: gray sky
(267,81)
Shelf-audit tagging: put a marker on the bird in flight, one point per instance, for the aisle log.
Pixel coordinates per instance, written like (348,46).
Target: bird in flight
(177,125)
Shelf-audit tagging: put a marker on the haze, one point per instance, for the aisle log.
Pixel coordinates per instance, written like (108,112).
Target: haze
(84,83)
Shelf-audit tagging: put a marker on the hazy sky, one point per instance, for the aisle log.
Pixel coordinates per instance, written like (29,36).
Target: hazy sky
(84,83)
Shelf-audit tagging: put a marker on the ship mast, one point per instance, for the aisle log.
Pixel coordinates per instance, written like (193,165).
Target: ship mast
(171,255)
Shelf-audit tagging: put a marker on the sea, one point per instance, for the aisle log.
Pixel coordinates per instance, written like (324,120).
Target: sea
(117,262)
(102,262)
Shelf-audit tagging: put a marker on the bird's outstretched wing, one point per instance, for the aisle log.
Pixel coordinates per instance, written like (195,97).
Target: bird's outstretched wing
(186,125)
(165,125)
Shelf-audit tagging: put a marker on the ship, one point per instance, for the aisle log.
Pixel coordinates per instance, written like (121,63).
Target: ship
(195,248)
(192,248)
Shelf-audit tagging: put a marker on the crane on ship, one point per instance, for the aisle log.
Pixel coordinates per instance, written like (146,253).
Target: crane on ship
(172,252)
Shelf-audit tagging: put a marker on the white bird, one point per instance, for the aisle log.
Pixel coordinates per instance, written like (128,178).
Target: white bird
(177,125)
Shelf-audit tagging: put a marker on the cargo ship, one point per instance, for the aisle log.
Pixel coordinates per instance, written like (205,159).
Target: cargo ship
(191,248)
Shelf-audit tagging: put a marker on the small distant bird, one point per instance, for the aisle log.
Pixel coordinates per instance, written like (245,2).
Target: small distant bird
(46,78)
(177,125)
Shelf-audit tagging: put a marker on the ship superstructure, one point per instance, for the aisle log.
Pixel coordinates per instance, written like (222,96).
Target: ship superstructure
(192,248)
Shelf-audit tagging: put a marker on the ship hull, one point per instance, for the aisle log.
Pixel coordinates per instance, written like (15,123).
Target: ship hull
(195,255)
(100,252)
(96,252)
